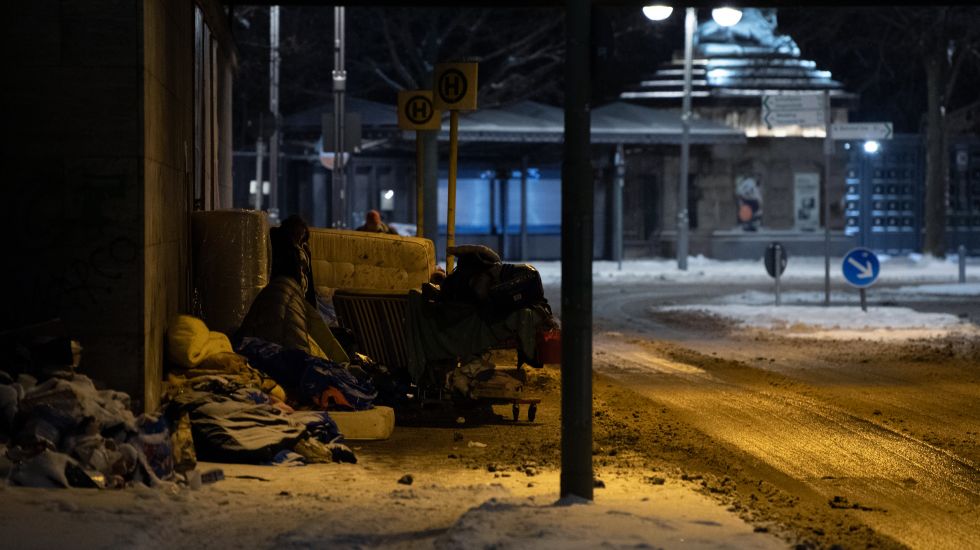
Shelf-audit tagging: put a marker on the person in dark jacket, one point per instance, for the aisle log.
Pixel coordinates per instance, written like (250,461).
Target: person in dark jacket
(373,224)
(285,311)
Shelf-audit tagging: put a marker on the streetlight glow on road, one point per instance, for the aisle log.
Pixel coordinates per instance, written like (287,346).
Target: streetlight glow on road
(657,12)
(726,17)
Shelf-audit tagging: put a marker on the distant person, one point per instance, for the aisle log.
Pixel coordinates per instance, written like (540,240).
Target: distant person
(373,224)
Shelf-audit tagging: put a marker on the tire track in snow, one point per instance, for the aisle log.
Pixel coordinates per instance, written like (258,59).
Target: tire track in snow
(920,495)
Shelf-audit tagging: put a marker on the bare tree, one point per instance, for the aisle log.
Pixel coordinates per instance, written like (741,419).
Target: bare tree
(915,54)
(520,51)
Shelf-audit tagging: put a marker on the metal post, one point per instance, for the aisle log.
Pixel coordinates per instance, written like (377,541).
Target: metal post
(620,163)
(419,185)
(961,253)
(504,202)
(690,23)
(864,300)
(778,253)
(828,149)
(576,259)
(451,207)
(430,172)
(259,153)
(339,88)
(524,255)
(274,109)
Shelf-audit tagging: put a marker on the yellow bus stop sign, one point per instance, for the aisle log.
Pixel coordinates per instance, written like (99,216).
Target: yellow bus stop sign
(417,112)
(455,86)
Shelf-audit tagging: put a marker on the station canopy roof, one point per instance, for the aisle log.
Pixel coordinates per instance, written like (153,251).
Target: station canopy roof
(533,122)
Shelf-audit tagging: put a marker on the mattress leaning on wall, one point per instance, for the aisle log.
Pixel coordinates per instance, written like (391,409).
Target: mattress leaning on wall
(231,255)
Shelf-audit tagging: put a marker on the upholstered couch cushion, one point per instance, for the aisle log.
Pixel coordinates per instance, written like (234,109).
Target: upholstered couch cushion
(361,260)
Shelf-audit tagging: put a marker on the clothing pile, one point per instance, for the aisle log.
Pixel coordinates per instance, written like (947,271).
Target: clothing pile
(58,430)
(242,407)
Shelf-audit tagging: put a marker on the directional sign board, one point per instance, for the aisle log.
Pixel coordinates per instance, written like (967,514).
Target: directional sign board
(455,87)
(861,130)
(792,110)
(861,267)
(417,112)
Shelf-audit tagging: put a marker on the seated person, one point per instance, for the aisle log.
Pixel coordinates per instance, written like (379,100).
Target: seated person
(482,304)
(373,224)
(285,311)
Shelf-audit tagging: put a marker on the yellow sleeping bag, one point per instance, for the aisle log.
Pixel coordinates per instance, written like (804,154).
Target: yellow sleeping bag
(190,342)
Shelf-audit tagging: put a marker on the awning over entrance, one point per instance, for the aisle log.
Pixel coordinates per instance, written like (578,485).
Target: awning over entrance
(619,122)
(533,122)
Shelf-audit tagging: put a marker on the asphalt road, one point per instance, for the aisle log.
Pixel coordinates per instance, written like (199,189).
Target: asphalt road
(887,433)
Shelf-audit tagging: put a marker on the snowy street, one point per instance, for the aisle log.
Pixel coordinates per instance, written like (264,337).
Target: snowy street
(850,416)
(720,421)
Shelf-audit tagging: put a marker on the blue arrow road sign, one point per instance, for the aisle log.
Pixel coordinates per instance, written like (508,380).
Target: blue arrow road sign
(861,267)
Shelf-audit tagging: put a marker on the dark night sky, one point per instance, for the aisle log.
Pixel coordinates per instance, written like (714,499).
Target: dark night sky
(887,75)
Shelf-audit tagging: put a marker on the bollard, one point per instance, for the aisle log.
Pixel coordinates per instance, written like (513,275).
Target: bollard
(962,258)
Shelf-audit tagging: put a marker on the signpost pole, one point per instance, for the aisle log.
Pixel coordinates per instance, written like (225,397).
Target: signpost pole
(416,111)
(455,90)
(451,210)
(620,162)
(274,108)
(339,88)
(861,268)
(778,264)
(828,145)
(419,185)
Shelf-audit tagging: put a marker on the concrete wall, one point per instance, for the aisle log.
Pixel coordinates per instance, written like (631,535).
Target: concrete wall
(772,160)
(168,88)
(74,222)
(98,218)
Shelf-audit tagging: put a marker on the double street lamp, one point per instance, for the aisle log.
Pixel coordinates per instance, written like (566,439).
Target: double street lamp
(725,17)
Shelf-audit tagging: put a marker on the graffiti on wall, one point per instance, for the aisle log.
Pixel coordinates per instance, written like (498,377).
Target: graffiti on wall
(75,246)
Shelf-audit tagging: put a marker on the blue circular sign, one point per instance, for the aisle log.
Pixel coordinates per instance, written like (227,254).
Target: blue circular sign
(861,267)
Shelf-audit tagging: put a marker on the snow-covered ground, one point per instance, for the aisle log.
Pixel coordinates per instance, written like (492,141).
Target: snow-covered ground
(903,279)
(894,270)
(837,322)
(363,506)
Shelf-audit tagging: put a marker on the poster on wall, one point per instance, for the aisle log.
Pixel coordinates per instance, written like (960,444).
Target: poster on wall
(806,201)
(748,202)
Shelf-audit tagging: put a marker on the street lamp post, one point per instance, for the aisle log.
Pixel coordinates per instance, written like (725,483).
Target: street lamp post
(683,226)
(725,17)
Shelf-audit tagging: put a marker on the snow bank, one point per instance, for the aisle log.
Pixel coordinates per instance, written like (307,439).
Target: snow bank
(954,289)
(837,322)
(894,270)
(916,293)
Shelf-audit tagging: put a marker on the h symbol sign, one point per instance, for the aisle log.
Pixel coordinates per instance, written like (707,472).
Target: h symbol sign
(419,109)
(452,86)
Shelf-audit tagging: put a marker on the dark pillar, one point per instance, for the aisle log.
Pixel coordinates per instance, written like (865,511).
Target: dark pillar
(431,196)
(576,264)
